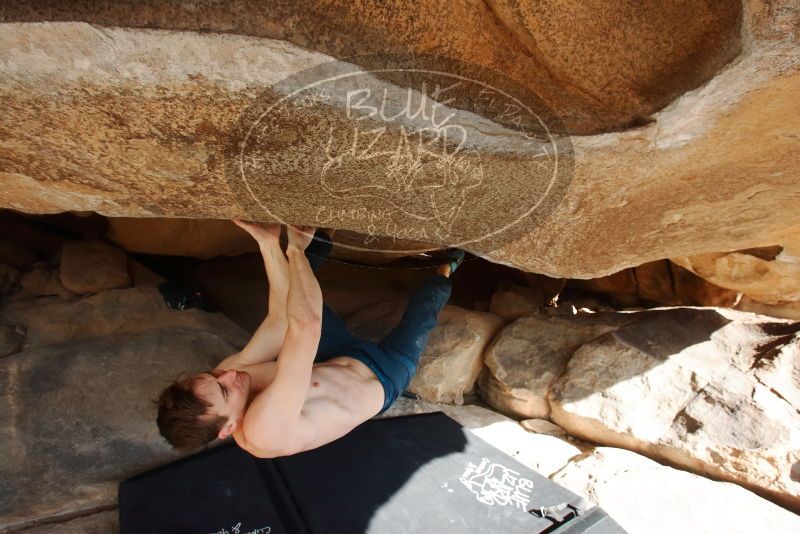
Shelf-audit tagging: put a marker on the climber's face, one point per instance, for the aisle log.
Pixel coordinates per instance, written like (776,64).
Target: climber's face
(227,392)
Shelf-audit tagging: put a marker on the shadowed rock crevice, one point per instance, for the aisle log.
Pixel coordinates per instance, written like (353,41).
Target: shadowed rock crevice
(765,253)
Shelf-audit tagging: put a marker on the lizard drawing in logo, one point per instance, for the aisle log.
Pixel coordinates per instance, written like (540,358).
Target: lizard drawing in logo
(425,172)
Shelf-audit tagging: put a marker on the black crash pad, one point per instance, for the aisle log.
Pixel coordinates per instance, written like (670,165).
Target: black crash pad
(421,473)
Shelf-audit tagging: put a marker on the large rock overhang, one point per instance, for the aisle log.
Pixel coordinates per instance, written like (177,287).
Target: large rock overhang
(601,65)
(135,123)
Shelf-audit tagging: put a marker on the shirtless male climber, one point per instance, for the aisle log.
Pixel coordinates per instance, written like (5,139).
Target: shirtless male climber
(303,380)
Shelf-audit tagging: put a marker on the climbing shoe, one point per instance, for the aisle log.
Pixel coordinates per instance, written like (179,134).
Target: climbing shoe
(455,257)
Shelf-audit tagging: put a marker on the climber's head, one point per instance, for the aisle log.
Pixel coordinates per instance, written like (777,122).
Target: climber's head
(194,411)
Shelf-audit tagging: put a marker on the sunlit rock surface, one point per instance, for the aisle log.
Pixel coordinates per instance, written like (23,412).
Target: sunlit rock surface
(527,356)
(138,125)
(709,390)
(646,497)
(601,65)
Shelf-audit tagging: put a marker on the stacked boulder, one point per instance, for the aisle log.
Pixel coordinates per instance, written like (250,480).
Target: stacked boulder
(710,390)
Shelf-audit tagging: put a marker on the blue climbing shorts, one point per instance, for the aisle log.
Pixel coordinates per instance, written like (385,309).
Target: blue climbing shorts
(393,360)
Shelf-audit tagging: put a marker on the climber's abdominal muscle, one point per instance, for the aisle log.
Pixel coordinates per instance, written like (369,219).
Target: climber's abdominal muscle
(342,393)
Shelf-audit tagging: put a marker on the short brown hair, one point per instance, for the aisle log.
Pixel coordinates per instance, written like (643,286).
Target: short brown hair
(180,416)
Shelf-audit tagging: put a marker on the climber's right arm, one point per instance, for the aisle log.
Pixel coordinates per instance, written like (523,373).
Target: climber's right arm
(269,337)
